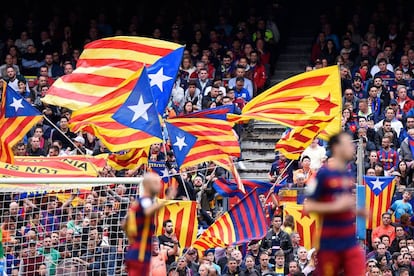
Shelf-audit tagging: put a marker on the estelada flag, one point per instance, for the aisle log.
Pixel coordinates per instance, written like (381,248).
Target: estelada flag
(305,224)
(183,215)
(314,95)
(378,196)
(103,65)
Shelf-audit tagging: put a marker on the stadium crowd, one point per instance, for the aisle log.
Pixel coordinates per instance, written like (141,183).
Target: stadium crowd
(80,234)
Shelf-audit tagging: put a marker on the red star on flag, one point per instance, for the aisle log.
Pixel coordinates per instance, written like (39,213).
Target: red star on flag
(325,105)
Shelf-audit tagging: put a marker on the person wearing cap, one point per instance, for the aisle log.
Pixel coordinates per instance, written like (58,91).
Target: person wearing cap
(80,143)
(209,256)
(254,250)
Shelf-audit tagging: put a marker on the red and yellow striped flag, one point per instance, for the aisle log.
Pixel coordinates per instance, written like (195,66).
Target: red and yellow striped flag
(296,140)
(14,128)
(215,139)
(103,65)
(98,120)
(305,224)
(132,159)
(183,215)
(314,95)
(377,198)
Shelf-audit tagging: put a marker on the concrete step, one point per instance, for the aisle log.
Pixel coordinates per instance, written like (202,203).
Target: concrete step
(300,40)
(293,58)
(255,175)
(257,144)
(298,47)
(267,155)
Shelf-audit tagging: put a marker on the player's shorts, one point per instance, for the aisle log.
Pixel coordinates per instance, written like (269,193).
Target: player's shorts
(135,268)
(350,262)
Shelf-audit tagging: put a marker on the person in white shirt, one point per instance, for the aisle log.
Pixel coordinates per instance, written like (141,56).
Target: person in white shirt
(316,153)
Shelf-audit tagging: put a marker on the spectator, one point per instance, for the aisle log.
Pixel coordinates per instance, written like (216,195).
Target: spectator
(401,206)
(240,73)
(168,242)
(54,70)
(276,239)
(386,228)
(8,61)
(387,156)
(316,153)
(193,95)
(50,255)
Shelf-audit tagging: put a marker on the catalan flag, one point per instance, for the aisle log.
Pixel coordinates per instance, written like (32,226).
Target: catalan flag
(124,119)
(17,117)
(183,214)
(294,141)
(243,222)
(103,65)
(181,142)
(314,95)
(305,224)
(215,139)
(378,196)
(131,159)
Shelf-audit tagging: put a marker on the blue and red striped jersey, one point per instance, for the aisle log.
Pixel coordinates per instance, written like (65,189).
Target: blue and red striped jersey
(337,231)
(140,229)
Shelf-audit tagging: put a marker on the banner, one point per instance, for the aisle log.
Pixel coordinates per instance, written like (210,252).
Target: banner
(89,165)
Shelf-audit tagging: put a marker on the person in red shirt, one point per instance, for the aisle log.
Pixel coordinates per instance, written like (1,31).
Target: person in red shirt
(259,72)
(384,229)
(403,101)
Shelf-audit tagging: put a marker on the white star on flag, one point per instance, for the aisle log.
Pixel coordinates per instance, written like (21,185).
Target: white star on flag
(17,103)
(140,110)
(180,142)
(377,184)
(165,173)
(158,78)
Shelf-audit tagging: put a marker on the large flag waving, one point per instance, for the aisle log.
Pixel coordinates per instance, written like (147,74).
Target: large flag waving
(124,119)
(378,195)
(183,214)
(243,222)
(17,117)
(305,224)
(314,95)
(215,139)
(103,65)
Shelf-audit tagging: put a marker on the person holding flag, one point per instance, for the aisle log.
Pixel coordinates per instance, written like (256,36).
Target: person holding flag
(330,196)
(139,225)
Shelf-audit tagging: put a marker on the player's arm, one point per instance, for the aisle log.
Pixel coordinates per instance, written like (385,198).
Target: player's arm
(342,203)
(150,210)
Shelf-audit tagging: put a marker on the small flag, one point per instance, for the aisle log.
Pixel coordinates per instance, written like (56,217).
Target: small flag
(378,196)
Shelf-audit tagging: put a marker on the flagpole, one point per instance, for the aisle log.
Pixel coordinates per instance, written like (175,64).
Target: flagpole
(279,179)
(70,140)
(361,230)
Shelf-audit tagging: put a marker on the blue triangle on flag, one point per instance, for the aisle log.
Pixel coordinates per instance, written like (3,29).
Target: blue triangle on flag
(139,111)
(16,105)
(378,183)
(181,142)
(162,75)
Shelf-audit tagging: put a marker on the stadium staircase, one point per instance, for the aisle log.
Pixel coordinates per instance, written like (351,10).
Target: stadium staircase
(258,146)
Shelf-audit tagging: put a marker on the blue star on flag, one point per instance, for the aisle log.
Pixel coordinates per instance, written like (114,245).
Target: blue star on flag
(162,75)
(378,183)
(17,106)
(181,142)
(139,111)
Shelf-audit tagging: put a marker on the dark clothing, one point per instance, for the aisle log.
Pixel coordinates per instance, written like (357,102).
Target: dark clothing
(166,241)
(56,135)
(37,152)
(276,242)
